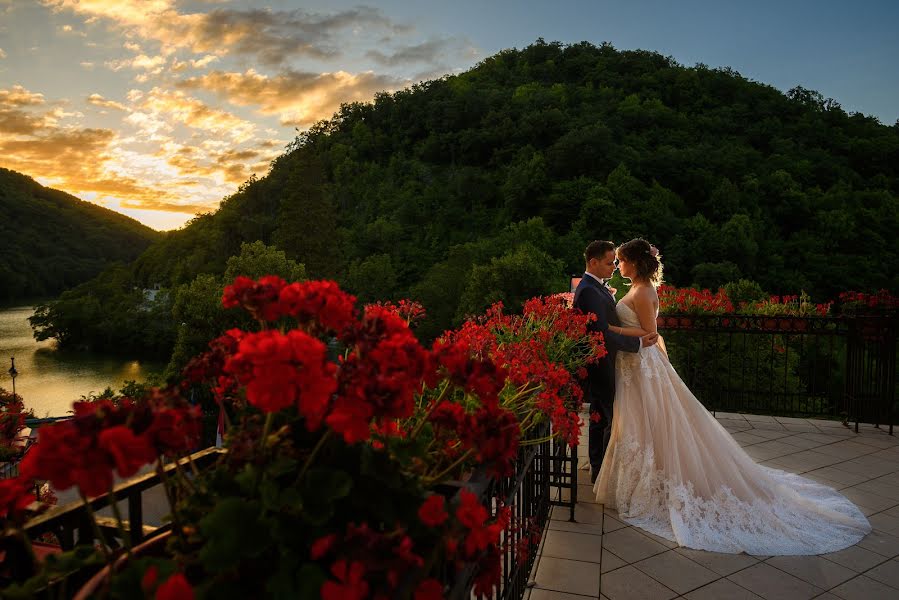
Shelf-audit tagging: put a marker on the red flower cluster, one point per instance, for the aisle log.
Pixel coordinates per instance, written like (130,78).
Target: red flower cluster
(789,305)
(882,300)
(284,370)
(320,304)
(175,587)
(103,437)
(12,418)
(259,298)
(458,360)
(687,300)
(367,560)
(408,310)
(15,495)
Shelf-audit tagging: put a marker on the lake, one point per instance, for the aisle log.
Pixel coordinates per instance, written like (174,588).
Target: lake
(50,380)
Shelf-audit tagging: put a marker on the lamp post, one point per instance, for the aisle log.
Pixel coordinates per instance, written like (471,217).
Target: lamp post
(12,373)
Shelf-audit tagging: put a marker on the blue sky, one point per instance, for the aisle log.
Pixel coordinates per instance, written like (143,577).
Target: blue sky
(160,108)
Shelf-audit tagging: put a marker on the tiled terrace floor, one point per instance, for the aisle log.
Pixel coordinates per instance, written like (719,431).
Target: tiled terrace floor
(602,557)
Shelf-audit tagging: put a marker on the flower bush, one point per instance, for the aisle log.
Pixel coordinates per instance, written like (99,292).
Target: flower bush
(343,431)
(694,302)
(792,306)
(861,303)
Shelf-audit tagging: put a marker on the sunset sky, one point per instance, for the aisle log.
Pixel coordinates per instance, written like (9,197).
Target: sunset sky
(160,108)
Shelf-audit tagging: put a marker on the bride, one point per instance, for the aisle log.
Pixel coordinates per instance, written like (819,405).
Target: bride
(674,471)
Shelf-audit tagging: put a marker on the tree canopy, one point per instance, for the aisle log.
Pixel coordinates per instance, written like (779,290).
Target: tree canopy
(487,185)
(51,241)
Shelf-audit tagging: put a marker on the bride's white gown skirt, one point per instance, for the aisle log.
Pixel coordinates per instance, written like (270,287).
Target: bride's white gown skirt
(674,471)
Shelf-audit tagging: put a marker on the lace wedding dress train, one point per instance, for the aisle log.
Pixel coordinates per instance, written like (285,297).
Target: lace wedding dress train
(674,471)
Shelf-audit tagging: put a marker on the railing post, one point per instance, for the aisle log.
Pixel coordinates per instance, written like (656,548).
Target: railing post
(136,518)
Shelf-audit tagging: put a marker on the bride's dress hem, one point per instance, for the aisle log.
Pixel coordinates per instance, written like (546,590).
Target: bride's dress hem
(674,471)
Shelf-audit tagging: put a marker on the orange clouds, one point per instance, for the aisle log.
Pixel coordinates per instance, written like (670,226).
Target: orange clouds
(297,98)
(269,35)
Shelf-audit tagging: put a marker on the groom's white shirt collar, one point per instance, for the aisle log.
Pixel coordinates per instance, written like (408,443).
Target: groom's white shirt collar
(588,273)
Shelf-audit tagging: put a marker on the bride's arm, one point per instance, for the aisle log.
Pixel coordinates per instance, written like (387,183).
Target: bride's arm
(646,312)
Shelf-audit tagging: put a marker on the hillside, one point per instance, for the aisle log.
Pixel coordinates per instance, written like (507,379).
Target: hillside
(487,185)
(51,241)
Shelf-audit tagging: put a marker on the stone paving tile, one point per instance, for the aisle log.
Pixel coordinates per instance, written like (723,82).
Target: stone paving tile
(887,573)
(771,434)
(610,562)
(627,583)
(868,500)
(746,438)
(804,427)
(539,594)
(631,545)
(770,449)
(865,588)
(844,478)
(856,558)
(676,571)
(774,584)
(881,543)
(800,442)
(872,467)
(815,570)
(570,576)
(885,523)
(881,487)
(723,564)
(573,546)
(576,527)
(722,589)
(611,524)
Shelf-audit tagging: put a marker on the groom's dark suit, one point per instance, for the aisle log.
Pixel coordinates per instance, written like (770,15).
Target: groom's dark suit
(599,387)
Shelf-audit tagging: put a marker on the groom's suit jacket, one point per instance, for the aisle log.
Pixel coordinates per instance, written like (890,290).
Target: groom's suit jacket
(591,297)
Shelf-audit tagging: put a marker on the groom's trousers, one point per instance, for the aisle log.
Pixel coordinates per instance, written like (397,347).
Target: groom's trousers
(601,395)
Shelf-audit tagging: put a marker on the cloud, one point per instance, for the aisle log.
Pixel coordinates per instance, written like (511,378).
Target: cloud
(298,98)
(168,106)
(98,100)
(87,65)
(431,52)
(19,96)
(79,160)
(151,64)
(271,36)
(2,53)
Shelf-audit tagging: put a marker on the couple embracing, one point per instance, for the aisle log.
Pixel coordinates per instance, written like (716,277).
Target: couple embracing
(660,459)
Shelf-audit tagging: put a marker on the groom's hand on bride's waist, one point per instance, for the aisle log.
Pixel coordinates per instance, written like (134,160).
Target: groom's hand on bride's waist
(650,339)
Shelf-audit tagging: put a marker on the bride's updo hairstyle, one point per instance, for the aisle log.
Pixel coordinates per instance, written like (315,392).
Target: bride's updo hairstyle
(645,258)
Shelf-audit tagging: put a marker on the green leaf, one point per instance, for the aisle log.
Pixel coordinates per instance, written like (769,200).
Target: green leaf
(321,488)
(233,530)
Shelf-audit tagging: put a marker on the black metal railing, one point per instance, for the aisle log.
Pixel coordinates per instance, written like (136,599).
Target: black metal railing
(71,523)
(828,367)
(545,474)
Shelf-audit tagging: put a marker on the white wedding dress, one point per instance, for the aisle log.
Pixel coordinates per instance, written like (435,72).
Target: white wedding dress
(674,471)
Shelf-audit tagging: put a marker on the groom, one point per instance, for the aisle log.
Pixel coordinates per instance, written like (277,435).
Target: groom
(593,297)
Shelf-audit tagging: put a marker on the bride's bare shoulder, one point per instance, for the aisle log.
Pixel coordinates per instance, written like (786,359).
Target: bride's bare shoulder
(646,294)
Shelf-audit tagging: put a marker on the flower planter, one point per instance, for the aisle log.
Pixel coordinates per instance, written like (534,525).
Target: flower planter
(154,546)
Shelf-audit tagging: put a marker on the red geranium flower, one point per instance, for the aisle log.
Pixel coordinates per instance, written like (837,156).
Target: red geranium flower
(433,511)
(351,584)
(175,588)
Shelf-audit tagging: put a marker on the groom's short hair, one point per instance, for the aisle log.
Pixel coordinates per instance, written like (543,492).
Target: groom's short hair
(597,249)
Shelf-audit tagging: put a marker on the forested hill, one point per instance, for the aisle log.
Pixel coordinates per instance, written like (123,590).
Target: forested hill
(51,241)
(487,185)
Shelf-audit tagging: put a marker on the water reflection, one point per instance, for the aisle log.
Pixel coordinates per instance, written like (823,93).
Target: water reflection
(49,380)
